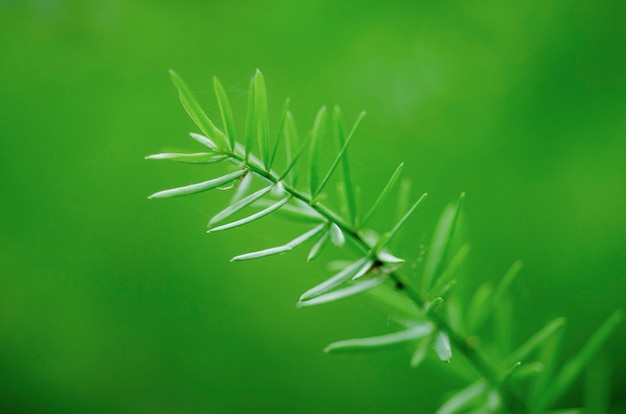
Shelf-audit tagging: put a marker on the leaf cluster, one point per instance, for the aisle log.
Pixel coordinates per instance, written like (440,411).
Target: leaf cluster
(431,319)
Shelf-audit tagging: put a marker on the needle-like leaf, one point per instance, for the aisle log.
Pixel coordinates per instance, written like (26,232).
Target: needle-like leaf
(336,235)
(446,276)
(535,341)
(505,284)
(420,352)
(389,258)
(265,212)
(242,188)
(262,121)
(360,266)
(314,153)
(295,158)
(195,111)
(199,187)
(574,367)
(235,207)
(394,302)
(347,175)
(434,305)
(281,249)
(442,346)
(379,342)
(383,194)
(340,156)
(250,121)
(261,253)
(351,290)
(318,246)
(196,158)
(441,243)
(291,140)
(279,134)
(460,401)
(204,141)
(387,237)
(228,120)
(299,212)
(479,307)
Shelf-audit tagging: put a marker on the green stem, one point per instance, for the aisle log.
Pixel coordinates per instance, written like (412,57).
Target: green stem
(512,401)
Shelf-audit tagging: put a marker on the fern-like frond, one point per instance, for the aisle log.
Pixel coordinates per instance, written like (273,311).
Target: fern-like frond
(431,324)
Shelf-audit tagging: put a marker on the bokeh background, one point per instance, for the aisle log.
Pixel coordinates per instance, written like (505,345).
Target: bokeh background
(113,303)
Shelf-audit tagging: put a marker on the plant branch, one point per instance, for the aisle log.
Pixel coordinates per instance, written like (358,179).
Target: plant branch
(513,402)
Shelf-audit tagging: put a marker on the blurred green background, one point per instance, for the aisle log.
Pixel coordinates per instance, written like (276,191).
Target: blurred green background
(113,303)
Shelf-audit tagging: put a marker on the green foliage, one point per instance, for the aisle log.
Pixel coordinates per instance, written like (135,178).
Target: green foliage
(433,319)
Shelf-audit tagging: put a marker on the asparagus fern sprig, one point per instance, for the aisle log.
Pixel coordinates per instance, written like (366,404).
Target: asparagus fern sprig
(426,322)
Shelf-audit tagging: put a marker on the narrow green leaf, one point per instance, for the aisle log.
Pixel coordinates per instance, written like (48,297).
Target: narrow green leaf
(462,399)
(318,246)
(295,158)
(383,194)
(512,371)
(235,207)
(347,175)
(502,326)
(394,303)
(421,351)
(225,110)
(300,212)
(336,235)
(196,158)
(454,313)
(262,121)
(291,140)
(351,290)
(280,249)
(527,370)
(261,253)
(379,342)
(433,305)
(204,141)
(279,134)
(505,284)
(314,153)
(199,187)
(389,258)
(441,243)
(360,266)
(535,341)
(574,367)
(250,120)
(242,188)
(307,236)
(479,308)
(446,288)
(253,217)
(387,237)
(194,110)
(549,357)
(571,411)
(442,346)
(446,276)
(402,203)
(340,156)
